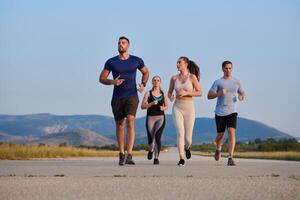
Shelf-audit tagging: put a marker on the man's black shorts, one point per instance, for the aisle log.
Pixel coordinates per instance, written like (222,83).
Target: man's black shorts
(228,121)
(124,106)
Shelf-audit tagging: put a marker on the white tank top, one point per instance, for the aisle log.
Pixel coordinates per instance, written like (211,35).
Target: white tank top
(187,85)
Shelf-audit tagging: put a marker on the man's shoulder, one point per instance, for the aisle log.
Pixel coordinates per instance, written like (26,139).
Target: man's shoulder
(113,59)
(219,80)
(133,57)
(235,80)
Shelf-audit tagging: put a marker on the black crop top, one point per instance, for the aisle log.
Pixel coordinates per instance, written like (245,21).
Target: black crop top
(155,109)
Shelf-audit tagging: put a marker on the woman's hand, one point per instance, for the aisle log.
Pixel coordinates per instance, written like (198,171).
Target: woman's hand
(172,97)
(154,102)
(182,93)
(163,108)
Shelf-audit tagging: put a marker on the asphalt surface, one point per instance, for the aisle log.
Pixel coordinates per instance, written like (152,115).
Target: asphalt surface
(102,178)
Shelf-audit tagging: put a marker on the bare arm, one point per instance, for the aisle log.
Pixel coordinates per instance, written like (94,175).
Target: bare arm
(103,77)
(212,94)
(145,104)
(145,74)
(145,77)
(171,89)
(166,104)
(104,80)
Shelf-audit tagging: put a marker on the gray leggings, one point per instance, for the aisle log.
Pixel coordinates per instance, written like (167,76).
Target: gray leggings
(155,125)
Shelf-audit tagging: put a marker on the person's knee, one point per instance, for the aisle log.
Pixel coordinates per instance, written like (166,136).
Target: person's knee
(221,134)
(231,132)
(120,124)
(130,121)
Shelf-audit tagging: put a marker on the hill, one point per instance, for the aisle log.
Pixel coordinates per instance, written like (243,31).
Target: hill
(41,127)
(74,137)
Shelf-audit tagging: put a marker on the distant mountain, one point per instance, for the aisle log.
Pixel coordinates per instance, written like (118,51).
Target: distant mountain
(14,139)
(205,130)
(74,137)
(38,127)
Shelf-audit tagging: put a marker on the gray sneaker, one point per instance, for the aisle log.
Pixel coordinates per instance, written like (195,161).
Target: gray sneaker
(231,162)
(217,155)
(121,158)
(129,160)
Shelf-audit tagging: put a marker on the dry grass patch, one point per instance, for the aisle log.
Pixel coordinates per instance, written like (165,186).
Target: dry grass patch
(25,152)
(274,155)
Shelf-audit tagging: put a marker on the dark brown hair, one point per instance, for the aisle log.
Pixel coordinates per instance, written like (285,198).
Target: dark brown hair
(124,38)
(225,63)
(192,67)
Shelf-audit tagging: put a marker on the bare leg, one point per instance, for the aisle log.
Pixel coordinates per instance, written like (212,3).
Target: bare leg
(130,133)
(231,135)
(120,125)
(219,140)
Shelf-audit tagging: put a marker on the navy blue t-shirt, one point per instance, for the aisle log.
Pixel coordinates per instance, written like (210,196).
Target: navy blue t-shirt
(127,70)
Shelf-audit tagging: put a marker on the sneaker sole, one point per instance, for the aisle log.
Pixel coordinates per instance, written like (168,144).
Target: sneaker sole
(231,165)
(217,158)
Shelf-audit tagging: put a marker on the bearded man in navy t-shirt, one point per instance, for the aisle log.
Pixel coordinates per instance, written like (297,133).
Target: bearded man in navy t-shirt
(125,100)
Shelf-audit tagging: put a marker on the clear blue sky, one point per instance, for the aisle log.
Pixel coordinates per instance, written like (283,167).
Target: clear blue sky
(51,52)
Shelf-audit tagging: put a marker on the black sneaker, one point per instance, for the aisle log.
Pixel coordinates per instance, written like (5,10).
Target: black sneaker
(231,162)
(155,161)
(150,154)
(181,162)
(121,158)
(188,154)
(129,160)
(217,155)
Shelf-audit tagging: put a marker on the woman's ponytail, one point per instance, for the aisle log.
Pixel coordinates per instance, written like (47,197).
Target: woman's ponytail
(194,69)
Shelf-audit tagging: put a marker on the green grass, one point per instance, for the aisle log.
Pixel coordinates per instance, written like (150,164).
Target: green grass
(274,155)
(26,152)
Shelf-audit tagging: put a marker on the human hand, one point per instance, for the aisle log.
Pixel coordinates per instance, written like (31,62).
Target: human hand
(241,97)
(154,102)
(117,81)
(182,93)
(162,108)
(172,98)
(141,88)
(222,92)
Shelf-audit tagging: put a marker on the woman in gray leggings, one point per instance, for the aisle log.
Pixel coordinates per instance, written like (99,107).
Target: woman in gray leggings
(156,103)
(186,85)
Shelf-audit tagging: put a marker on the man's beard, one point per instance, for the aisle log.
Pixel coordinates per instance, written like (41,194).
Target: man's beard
(121,50)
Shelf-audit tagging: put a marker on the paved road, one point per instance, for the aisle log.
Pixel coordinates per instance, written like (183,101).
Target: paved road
(102,178)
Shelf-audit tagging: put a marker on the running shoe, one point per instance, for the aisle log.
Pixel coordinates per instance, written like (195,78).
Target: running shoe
(188,154)
(181,162)
(129,160)
(155,161)
(217,155)
(121,158)
(231,162)
(150,154)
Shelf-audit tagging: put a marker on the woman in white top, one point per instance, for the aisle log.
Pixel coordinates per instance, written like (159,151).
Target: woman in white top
(186,85)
